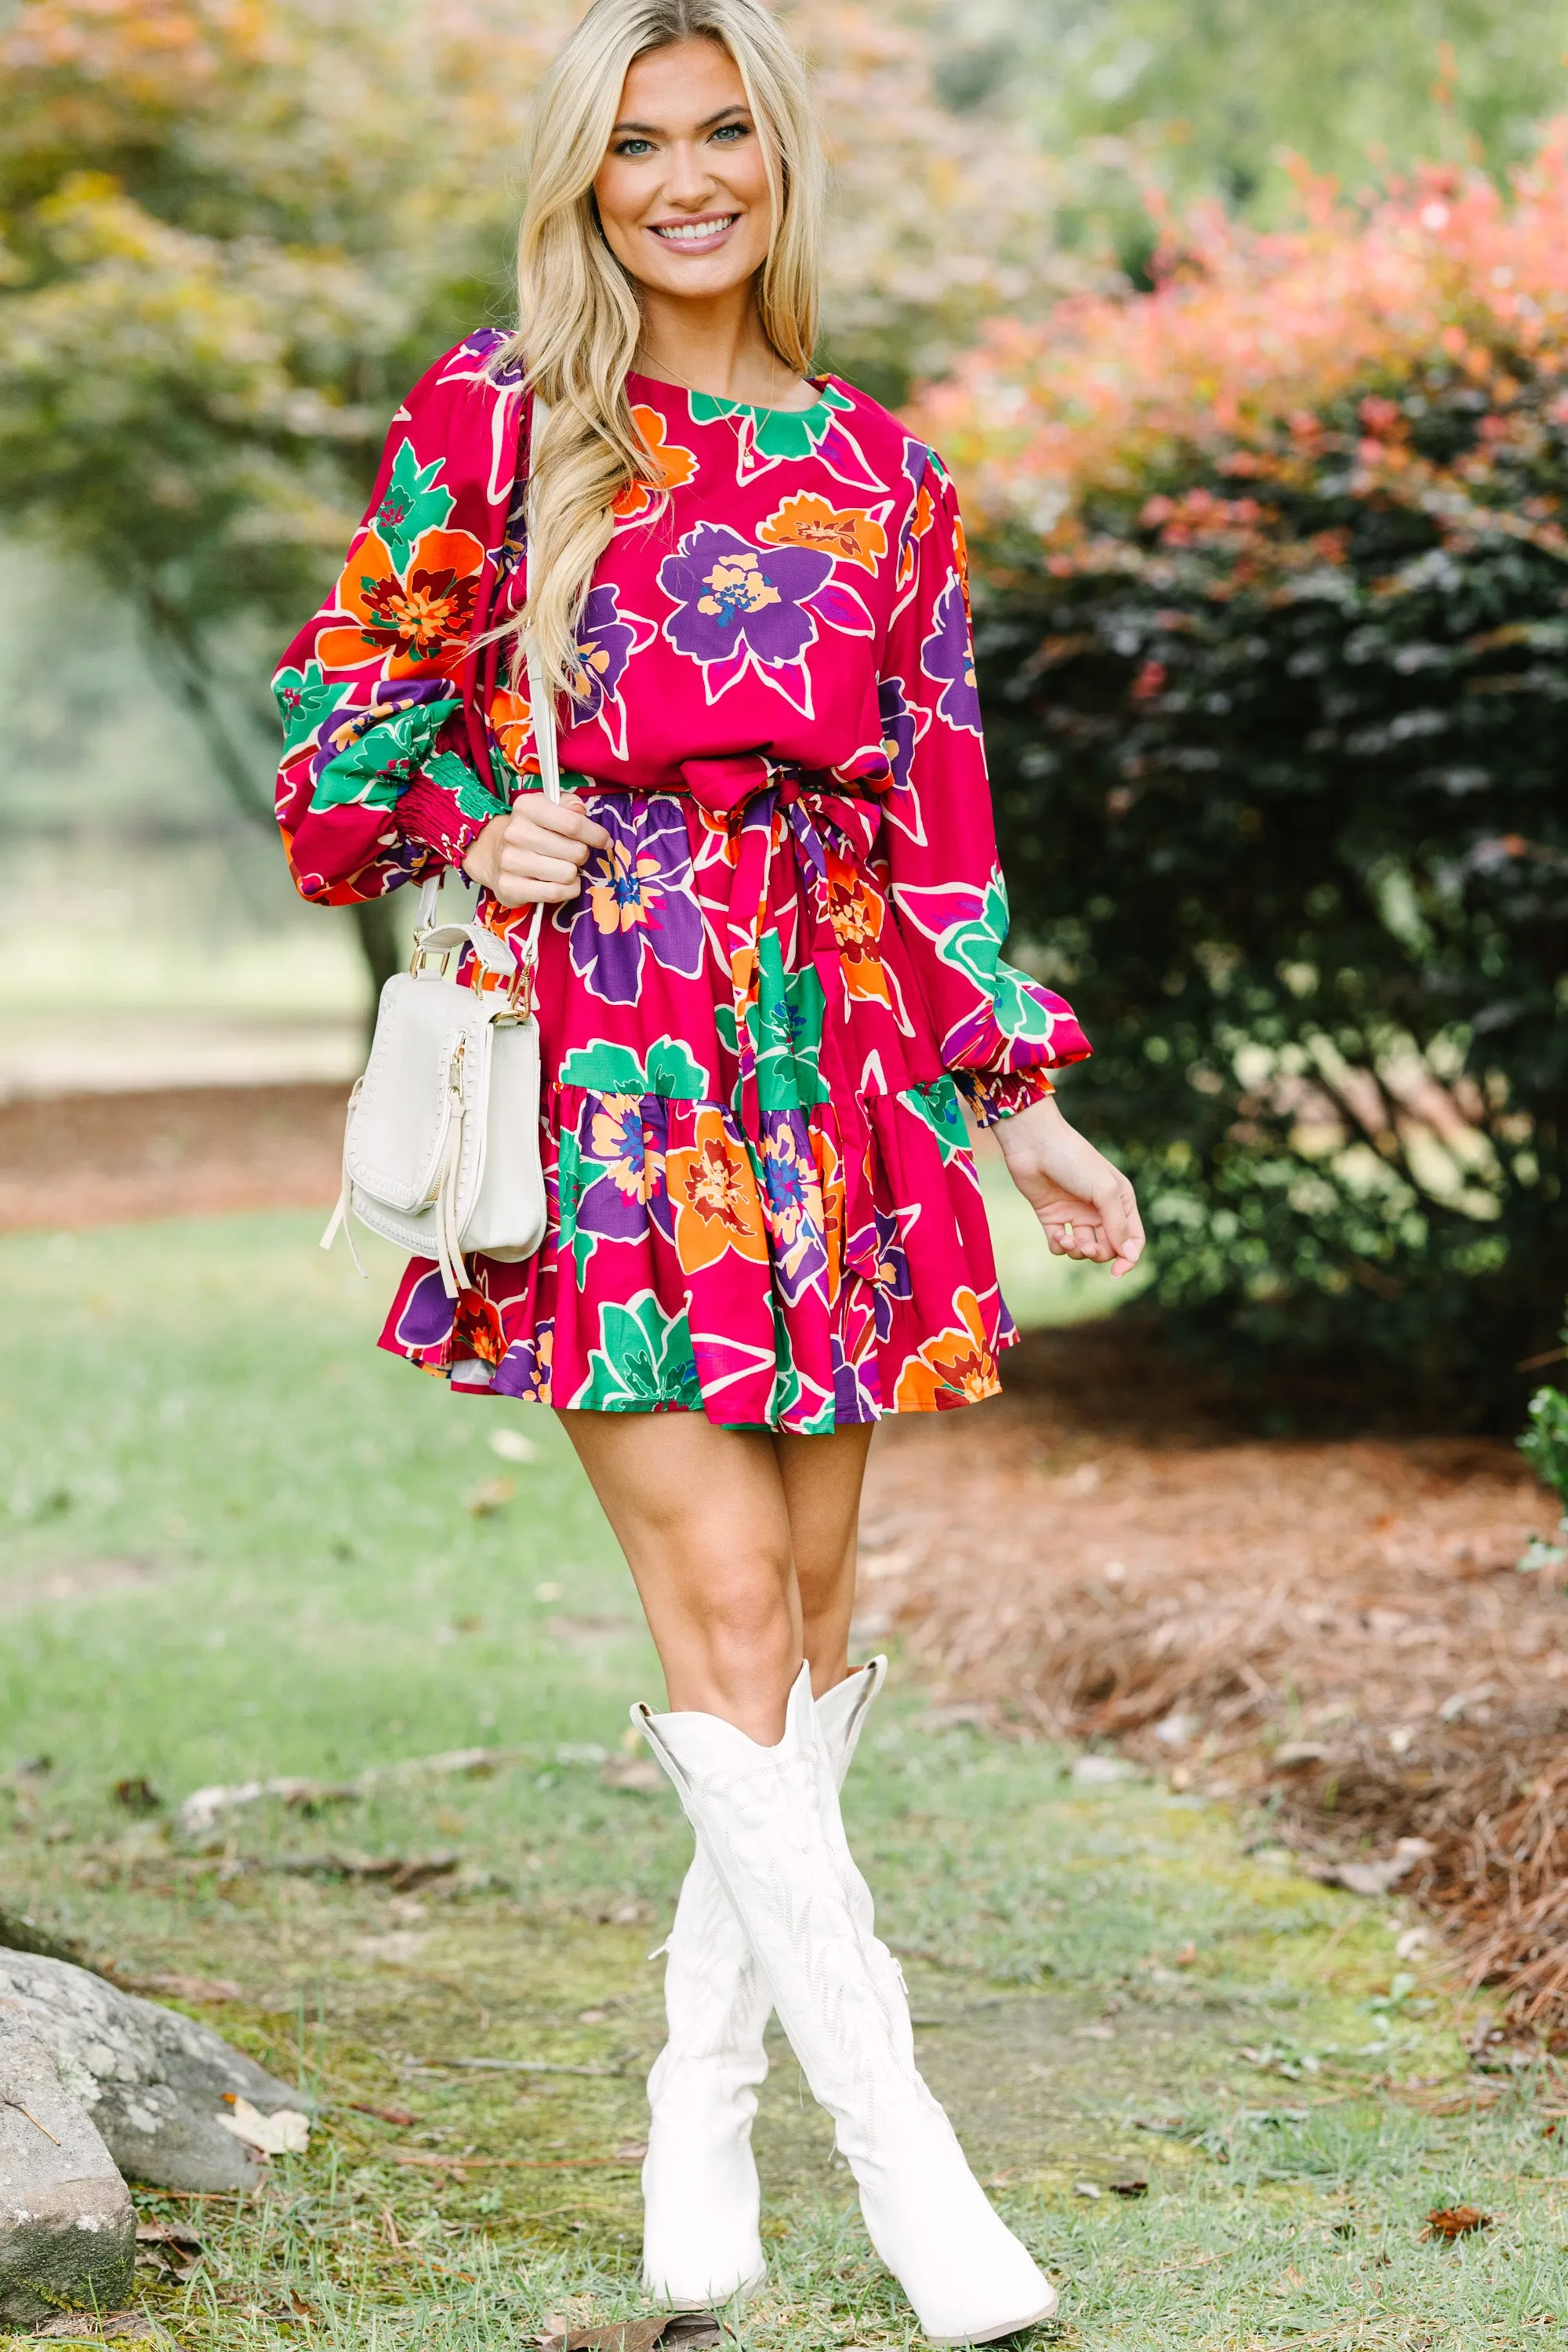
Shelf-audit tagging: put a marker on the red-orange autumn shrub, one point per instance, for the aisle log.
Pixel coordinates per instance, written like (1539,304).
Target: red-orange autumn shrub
(1273,592)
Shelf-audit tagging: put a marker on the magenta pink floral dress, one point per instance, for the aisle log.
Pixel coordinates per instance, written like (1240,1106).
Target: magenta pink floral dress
(779,985)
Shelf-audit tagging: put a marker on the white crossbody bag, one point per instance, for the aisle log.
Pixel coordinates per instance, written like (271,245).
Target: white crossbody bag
(441,1145)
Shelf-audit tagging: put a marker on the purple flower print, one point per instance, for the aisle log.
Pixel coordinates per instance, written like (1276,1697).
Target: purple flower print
(637,894)
(892,1276)
(734,597)
(792,1194)
(899,730)
(428,1314)
(524,1370)
(622,1169)
(604,644)
(948,653)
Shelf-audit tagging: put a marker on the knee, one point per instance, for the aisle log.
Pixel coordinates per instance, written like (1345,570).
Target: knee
(744,1608)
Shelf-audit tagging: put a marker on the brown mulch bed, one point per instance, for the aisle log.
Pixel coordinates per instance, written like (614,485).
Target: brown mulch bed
(1337,1630)
(180,1151)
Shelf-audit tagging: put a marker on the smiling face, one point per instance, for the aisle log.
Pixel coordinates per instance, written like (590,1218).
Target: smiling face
(683,190)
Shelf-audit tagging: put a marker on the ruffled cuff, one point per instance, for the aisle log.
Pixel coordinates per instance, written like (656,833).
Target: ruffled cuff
(996,1096)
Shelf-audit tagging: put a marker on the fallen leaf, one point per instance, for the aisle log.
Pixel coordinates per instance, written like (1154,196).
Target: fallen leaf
(1287,2283)
(1375,1878)
(1086,2189)
(401,2116)
(632,2151)
(169,2247)
(637,1772)
(1128,2184)
(491,1494)
(512,1445)
(689,2330)
(137,1794)
(1186,1956)
(1451,2222)
(402,1872)
(173,1986)
(285,2132)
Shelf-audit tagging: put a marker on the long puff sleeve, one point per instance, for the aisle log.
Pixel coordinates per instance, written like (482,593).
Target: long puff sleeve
(386,772)
(1000,1033)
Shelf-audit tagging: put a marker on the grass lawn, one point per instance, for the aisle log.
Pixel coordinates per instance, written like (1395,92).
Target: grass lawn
(235,1541)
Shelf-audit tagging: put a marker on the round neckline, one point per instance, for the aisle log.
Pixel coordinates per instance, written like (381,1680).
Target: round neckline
(747,407)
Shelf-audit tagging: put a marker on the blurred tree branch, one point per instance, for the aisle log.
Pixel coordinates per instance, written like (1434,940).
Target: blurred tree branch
(231,236)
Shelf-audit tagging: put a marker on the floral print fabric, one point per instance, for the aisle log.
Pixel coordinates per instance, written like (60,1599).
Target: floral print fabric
(781,981)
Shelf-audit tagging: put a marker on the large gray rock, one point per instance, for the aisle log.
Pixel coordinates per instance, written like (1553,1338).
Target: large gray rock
(156,2084)
(68,2229)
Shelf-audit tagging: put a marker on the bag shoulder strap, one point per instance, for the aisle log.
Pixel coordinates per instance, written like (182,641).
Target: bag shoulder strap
(542,700)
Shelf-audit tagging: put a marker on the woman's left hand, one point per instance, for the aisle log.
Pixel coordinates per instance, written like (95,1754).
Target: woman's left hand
(1087,1207)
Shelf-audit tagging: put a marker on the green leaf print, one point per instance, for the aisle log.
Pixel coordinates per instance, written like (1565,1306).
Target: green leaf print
(975,946)
(304,698)
(473,798)
(937,1105)
(787,1026)
(410,505)
(645,1360)
(570,1188)
(775,432)
(669,1070)
(383,762)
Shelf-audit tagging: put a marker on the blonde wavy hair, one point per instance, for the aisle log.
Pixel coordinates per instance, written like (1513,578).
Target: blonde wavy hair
(579,321)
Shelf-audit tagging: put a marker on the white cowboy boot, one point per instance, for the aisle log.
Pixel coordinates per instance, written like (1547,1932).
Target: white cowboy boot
(769,1820)
(700,2197)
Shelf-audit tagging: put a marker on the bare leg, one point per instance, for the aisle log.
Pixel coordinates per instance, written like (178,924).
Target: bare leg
(740,1545)
(822,1480)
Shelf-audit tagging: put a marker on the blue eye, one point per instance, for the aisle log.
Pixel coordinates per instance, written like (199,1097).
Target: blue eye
(633,147)
(732,131)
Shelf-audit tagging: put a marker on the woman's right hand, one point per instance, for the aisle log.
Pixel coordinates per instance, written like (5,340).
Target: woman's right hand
(535,854)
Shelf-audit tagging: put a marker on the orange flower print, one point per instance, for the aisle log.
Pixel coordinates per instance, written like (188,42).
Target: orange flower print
(414,619)
(511,724)
(961,560)
(847,532)
(925,514)
(857,910)
(954,1368)
(714,1195)
(675,465)
(622,887)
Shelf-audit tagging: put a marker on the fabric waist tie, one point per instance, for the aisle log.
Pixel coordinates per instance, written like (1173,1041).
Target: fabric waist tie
(763,808)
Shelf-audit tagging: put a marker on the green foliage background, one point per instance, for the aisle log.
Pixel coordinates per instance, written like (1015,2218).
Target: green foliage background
(1292,826)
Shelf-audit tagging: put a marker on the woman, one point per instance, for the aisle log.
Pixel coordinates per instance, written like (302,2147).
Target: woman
(769,977)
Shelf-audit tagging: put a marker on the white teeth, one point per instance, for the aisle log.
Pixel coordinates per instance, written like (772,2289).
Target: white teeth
(689,233)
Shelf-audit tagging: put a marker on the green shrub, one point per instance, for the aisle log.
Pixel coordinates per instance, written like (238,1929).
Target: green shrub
(1545,1446)
(1273,618)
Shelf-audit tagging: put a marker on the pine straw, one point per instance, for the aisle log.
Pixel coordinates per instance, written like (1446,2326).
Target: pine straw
(1338,1629)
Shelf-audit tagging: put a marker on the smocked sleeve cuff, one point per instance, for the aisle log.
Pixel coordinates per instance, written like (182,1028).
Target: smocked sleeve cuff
(992,1097)
(431,815)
